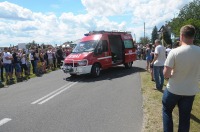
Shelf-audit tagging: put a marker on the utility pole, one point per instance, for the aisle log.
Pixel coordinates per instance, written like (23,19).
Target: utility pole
(144,34)
(144,29)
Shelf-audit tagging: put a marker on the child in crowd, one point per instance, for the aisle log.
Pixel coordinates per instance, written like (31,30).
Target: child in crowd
(23,64)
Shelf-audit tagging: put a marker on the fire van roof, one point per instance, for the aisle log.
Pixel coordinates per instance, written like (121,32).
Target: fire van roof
(102,32)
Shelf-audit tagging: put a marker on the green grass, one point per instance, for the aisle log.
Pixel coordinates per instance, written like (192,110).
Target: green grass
(30,76)
(152,107)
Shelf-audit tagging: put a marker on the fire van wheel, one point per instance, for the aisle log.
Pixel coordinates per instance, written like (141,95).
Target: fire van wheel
(128,65)
(73,75)
(96,70)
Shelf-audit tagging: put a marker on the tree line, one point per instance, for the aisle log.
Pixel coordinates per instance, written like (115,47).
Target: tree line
(189,14)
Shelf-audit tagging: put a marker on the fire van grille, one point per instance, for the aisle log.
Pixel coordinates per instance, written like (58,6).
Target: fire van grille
(71,64)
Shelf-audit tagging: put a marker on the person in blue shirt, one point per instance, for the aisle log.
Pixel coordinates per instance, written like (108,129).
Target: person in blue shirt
(148,56)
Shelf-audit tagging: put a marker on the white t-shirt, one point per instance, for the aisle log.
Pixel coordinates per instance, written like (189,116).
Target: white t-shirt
(160,50)
(50,54)
(31,56)
(23,59)
(168,50)
(186,70)
(6,54)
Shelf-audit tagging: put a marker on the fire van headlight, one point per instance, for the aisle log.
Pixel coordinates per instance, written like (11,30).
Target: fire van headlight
(82,63)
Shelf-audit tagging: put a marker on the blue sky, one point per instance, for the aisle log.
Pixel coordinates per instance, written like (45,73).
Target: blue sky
(58,21)
(56,6)
(60,6)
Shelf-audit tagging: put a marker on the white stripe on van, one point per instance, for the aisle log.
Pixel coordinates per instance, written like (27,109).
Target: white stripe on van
(104,57)
(130,53)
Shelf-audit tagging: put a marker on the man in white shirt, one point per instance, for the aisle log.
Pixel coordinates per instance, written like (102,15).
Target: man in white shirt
(7,62)
(168,50)
(182,67)
(50,58)
(158,64)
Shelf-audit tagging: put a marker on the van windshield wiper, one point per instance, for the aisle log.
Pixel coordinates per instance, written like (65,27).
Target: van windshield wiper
(77,51)
(88,50)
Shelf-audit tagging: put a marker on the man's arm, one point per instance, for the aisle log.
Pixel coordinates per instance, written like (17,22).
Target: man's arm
(155,58)
(169,65)
(167,72)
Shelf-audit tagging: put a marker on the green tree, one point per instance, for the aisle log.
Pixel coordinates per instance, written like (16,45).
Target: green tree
(154,35)
(166,36)
(189,14)
(190,10)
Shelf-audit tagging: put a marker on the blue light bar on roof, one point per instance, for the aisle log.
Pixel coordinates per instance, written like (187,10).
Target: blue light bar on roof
(87,34)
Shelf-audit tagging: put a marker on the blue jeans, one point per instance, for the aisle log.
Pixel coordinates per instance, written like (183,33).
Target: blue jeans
(17,67)
(35,66)
(158,76)
(184,103)
(8,68)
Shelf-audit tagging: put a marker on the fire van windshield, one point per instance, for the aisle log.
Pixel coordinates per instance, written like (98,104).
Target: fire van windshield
(86,46)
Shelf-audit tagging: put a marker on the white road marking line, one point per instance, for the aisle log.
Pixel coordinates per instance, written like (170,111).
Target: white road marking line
(50,93)
(57,93)
(4,121)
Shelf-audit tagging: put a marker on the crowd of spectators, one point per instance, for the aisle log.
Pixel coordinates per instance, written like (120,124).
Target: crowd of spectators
(19,64)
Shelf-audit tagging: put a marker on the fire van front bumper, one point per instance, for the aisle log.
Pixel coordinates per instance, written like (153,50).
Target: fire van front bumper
(77,70)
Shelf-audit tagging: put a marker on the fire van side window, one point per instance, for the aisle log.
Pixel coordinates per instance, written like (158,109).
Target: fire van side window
(104,45)
(128,44)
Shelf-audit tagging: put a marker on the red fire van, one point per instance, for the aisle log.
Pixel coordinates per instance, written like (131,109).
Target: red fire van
(100,50)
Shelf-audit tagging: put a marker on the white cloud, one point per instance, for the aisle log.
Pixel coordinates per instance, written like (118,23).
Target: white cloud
(14,12)
(105,7)
(152,12)
(105,24)
(18,24)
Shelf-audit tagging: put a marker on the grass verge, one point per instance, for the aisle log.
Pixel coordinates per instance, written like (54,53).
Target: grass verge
(28,77)
(152,107)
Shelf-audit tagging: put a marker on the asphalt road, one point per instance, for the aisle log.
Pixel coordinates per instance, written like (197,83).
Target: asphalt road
(57,102)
